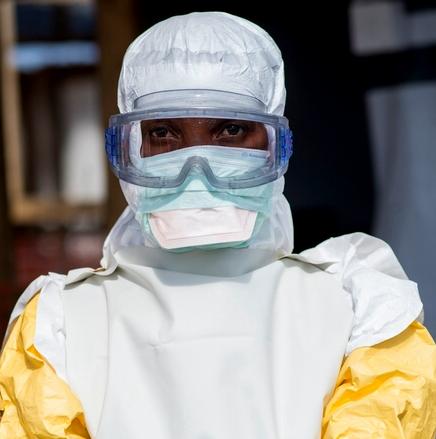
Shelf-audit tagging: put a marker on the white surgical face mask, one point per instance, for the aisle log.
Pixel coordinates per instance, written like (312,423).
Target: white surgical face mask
(196,215)
(185,228)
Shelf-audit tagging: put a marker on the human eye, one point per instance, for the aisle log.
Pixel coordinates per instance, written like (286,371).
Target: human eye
(159,136)
(161,132)
(240,134)
(159,129)
(231,129)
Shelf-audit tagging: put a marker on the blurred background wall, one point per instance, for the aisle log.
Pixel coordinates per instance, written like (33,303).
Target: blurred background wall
(361,81)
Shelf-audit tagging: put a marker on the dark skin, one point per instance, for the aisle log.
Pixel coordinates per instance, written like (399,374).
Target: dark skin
(165,135)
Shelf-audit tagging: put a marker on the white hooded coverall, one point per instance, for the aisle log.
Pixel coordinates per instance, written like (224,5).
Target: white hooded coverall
(254,343)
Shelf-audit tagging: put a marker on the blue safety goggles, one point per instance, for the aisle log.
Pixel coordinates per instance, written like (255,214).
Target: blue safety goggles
(226,137)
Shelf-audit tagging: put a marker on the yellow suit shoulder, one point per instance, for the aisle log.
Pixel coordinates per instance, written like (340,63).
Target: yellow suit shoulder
(36,403)
(386,391)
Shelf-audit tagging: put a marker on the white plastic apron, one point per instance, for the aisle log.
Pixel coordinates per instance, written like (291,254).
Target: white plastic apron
(160,354)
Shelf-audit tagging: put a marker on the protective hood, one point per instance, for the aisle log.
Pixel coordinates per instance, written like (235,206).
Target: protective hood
(206,50)
(213,51)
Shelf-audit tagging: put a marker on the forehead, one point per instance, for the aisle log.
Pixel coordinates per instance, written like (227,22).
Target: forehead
(197,124)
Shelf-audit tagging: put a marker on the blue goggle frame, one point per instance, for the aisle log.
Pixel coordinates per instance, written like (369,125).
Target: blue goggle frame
(118,149)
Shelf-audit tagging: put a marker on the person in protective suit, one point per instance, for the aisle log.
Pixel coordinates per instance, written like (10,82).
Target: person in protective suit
(201,322)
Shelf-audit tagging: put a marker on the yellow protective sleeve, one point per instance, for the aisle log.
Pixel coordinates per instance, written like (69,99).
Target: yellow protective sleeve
(387,391)
(36,403)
